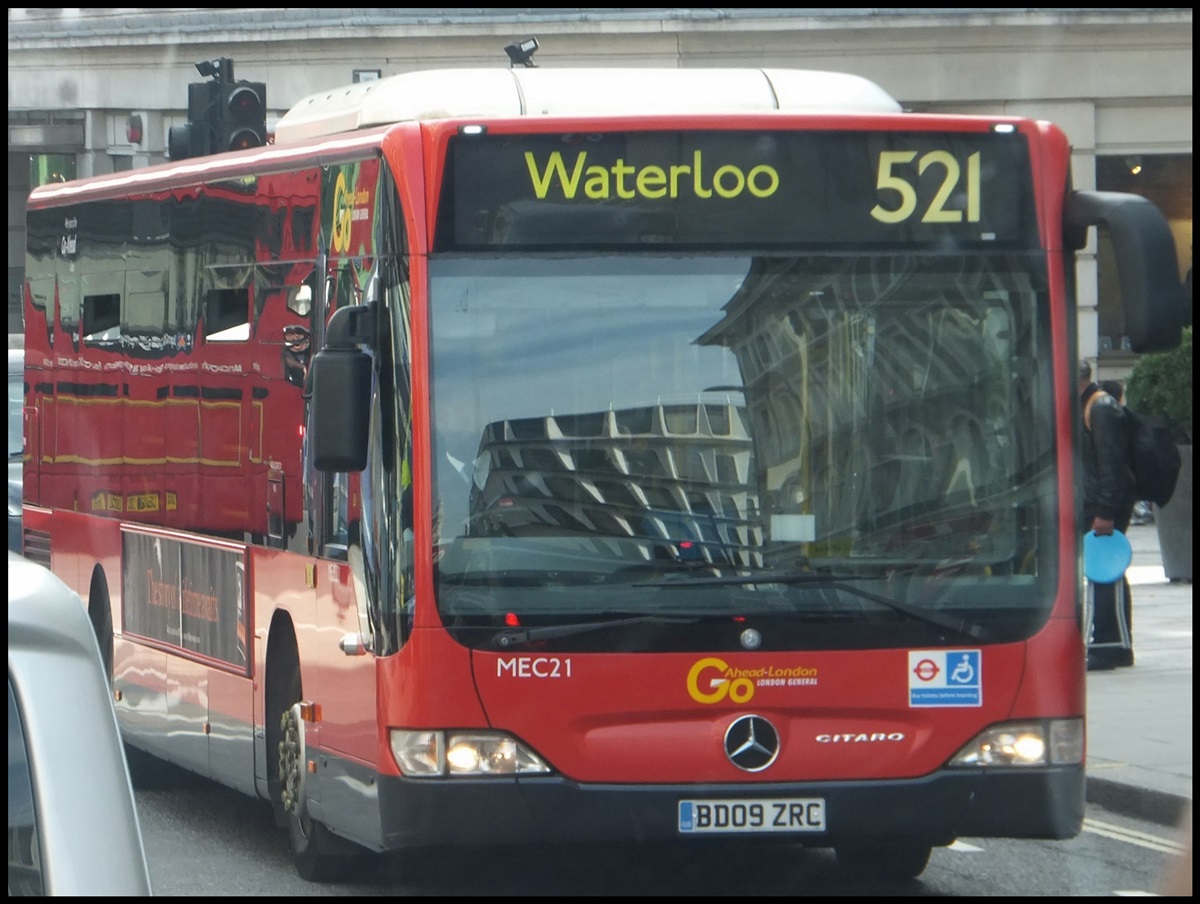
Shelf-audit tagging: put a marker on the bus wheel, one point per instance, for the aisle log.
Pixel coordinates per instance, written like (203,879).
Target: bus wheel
(318,854)
(893,860)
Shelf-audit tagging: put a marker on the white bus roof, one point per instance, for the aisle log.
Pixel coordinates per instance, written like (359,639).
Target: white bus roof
(457,93)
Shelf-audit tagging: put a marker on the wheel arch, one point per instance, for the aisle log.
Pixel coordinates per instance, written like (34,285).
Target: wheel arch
(282,656)
(99,612)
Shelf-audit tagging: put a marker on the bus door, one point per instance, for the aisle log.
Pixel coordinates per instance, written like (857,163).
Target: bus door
(347,691)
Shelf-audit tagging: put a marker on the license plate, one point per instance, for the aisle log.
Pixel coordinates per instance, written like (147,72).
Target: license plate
(787,814)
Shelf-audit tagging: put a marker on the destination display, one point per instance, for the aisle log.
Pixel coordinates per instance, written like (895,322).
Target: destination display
(741,190)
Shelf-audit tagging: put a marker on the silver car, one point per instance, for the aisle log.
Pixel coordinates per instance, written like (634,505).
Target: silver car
(72,824)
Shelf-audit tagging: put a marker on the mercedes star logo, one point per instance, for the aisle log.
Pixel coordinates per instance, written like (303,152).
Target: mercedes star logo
(751,743)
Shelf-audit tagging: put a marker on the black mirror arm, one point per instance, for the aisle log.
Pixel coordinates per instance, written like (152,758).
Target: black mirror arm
(352,326)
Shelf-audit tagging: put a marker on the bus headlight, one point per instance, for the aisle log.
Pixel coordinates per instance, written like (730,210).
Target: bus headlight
(1053,742)
(432,754)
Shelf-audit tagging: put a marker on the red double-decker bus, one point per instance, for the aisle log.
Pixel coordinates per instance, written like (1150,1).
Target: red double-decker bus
(531,455)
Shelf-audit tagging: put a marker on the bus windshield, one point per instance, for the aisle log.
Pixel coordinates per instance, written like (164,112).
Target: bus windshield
(853,447)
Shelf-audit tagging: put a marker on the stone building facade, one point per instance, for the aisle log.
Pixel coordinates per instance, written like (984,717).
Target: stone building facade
(1119,81)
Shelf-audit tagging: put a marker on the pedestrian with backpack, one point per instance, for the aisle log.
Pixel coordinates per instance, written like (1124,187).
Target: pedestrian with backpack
(1142,513)
(1108,499)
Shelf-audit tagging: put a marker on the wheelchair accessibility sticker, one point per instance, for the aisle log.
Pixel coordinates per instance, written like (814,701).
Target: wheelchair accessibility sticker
(945,678)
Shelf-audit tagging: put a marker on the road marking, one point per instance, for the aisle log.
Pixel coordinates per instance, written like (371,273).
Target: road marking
(1132,836)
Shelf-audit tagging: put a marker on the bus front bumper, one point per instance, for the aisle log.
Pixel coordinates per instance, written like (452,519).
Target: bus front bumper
(1044,803)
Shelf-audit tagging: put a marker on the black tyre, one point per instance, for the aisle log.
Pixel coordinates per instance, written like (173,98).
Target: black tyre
(100,615)
(891,860)
(318,854)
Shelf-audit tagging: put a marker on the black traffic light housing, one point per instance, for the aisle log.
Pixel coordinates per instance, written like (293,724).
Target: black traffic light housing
(223,115)
(195,138)
(241,116)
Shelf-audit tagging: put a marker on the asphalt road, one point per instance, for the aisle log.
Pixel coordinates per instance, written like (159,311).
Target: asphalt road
(203,839)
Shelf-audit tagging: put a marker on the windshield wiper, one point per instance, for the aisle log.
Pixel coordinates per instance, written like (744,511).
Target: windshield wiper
(513,637)
(837,582)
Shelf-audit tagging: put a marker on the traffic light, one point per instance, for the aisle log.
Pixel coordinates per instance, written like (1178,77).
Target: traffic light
(196,137)
(241,116)
(223,115)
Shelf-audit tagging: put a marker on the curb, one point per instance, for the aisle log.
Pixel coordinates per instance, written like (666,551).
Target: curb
(1159,807)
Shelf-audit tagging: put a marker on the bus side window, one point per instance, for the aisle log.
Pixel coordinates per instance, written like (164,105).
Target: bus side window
(227,315)
(102,318)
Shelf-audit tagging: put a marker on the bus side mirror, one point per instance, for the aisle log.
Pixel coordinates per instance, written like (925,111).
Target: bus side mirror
(339,416)
(1147,268)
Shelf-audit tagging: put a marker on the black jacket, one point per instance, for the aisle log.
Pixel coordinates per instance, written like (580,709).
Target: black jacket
(1107,480)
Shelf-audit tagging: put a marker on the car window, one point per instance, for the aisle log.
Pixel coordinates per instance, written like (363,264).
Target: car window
(24,859)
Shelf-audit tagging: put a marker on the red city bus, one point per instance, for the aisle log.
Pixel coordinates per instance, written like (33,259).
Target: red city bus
(530,455)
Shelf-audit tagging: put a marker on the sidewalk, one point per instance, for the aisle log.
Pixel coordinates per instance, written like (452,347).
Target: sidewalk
(1139,720)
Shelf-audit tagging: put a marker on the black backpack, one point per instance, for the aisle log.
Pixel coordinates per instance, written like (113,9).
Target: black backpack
(1153,454)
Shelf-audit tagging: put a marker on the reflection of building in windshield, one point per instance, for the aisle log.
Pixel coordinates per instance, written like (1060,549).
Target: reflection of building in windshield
(676,475)
(869,386)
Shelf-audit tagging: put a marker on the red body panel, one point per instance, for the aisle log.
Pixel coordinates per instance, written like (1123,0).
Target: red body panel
(627,718)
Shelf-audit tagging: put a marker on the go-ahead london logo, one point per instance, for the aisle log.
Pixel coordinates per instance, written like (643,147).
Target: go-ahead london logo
(711,680)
